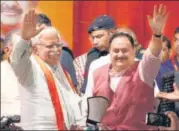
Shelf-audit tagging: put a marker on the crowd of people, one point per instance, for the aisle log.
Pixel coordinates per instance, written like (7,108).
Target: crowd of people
(48,87)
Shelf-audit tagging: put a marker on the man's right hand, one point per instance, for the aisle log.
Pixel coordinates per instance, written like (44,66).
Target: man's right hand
(174,122)
(28,29)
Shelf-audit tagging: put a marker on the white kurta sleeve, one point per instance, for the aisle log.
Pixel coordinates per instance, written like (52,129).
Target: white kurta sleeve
(20,57)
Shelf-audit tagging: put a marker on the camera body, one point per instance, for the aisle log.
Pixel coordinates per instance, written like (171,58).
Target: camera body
(157,119)
(7,122)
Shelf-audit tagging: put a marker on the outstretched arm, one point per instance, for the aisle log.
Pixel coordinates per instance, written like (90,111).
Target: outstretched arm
(150,63)
(157,24)
(19,58)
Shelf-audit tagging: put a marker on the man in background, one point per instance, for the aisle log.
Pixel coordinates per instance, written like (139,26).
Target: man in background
(171,64)
(100,31)
(166,49)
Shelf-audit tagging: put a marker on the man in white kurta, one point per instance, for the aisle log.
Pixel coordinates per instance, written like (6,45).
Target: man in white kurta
(36,108)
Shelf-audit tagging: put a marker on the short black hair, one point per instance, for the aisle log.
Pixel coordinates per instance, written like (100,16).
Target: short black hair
(43,19)
(122,34)
(102,22)
(9,35)
(165,39)
(176,30)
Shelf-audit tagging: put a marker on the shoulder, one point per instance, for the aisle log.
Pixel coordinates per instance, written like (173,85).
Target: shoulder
(167,64)
(100,62)
(92,51)
(83,56)
(102,70)
(67,51)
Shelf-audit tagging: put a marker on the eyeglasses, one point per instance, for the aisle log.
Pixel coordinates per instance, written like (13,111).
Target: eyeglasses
(52,46)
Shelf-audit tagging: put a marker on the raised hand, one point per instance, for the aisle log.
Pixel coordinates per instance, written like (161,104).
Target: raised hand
(28,29)
(158,21)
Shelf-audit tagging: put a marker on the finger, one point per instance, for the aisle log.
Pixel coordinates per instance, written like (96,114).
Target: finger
(155,11)
(161,95)
(34,18)
(164,11)
(30,21)
(28,16)
(25,19)
(173,117)
(149,19)
(160,9)
(175,86)
(161,128)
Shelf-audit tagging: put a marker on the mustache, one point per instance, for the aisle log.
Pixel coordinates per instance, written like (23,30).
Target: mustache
(54,53)
(121,58)
(7,8)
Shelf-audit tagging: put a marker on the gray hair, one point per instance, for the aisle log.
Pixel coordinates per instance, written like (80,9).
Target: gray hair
(36,39)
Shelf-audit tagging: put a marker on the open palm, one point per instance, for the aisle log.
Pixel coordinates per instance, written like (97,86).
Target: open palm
(157,22)
(28,29)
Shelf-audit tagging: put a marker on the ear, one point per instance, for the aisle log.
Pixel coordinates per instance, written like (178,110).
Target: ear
(6,50)
(35,49)
(134,49)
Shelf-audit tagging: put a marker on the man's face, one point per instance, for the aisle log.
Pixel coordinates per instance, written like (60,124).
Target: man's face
(165,53)
(9,46)
(49,48)
(176,41)
(122,53)
(100,39)
(12,12)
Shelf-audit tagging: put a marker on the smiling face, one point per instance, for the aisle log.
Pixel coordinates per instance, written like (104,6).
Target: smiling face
(122,53)
(49,47)
(12,12)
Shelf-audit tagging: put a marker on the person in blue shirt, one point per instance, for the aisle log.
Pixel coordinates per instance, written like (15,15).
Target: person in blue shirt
(171,64)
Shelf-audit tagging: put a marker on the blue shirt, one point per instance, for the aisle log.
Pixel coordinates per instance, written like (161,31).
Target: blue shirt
(67,62)
(165,67)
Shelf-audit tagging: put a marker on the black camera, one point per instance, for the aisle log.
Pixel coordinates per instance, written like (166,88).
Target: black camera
(157,120)
(7,122)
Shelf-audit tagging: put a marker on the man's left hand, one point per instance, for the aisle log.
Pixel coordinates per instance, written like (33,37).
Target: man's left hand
(157,22)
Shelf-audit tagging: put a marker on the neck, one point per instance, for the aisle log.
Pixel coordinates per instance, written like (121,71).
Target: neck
(117,69)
